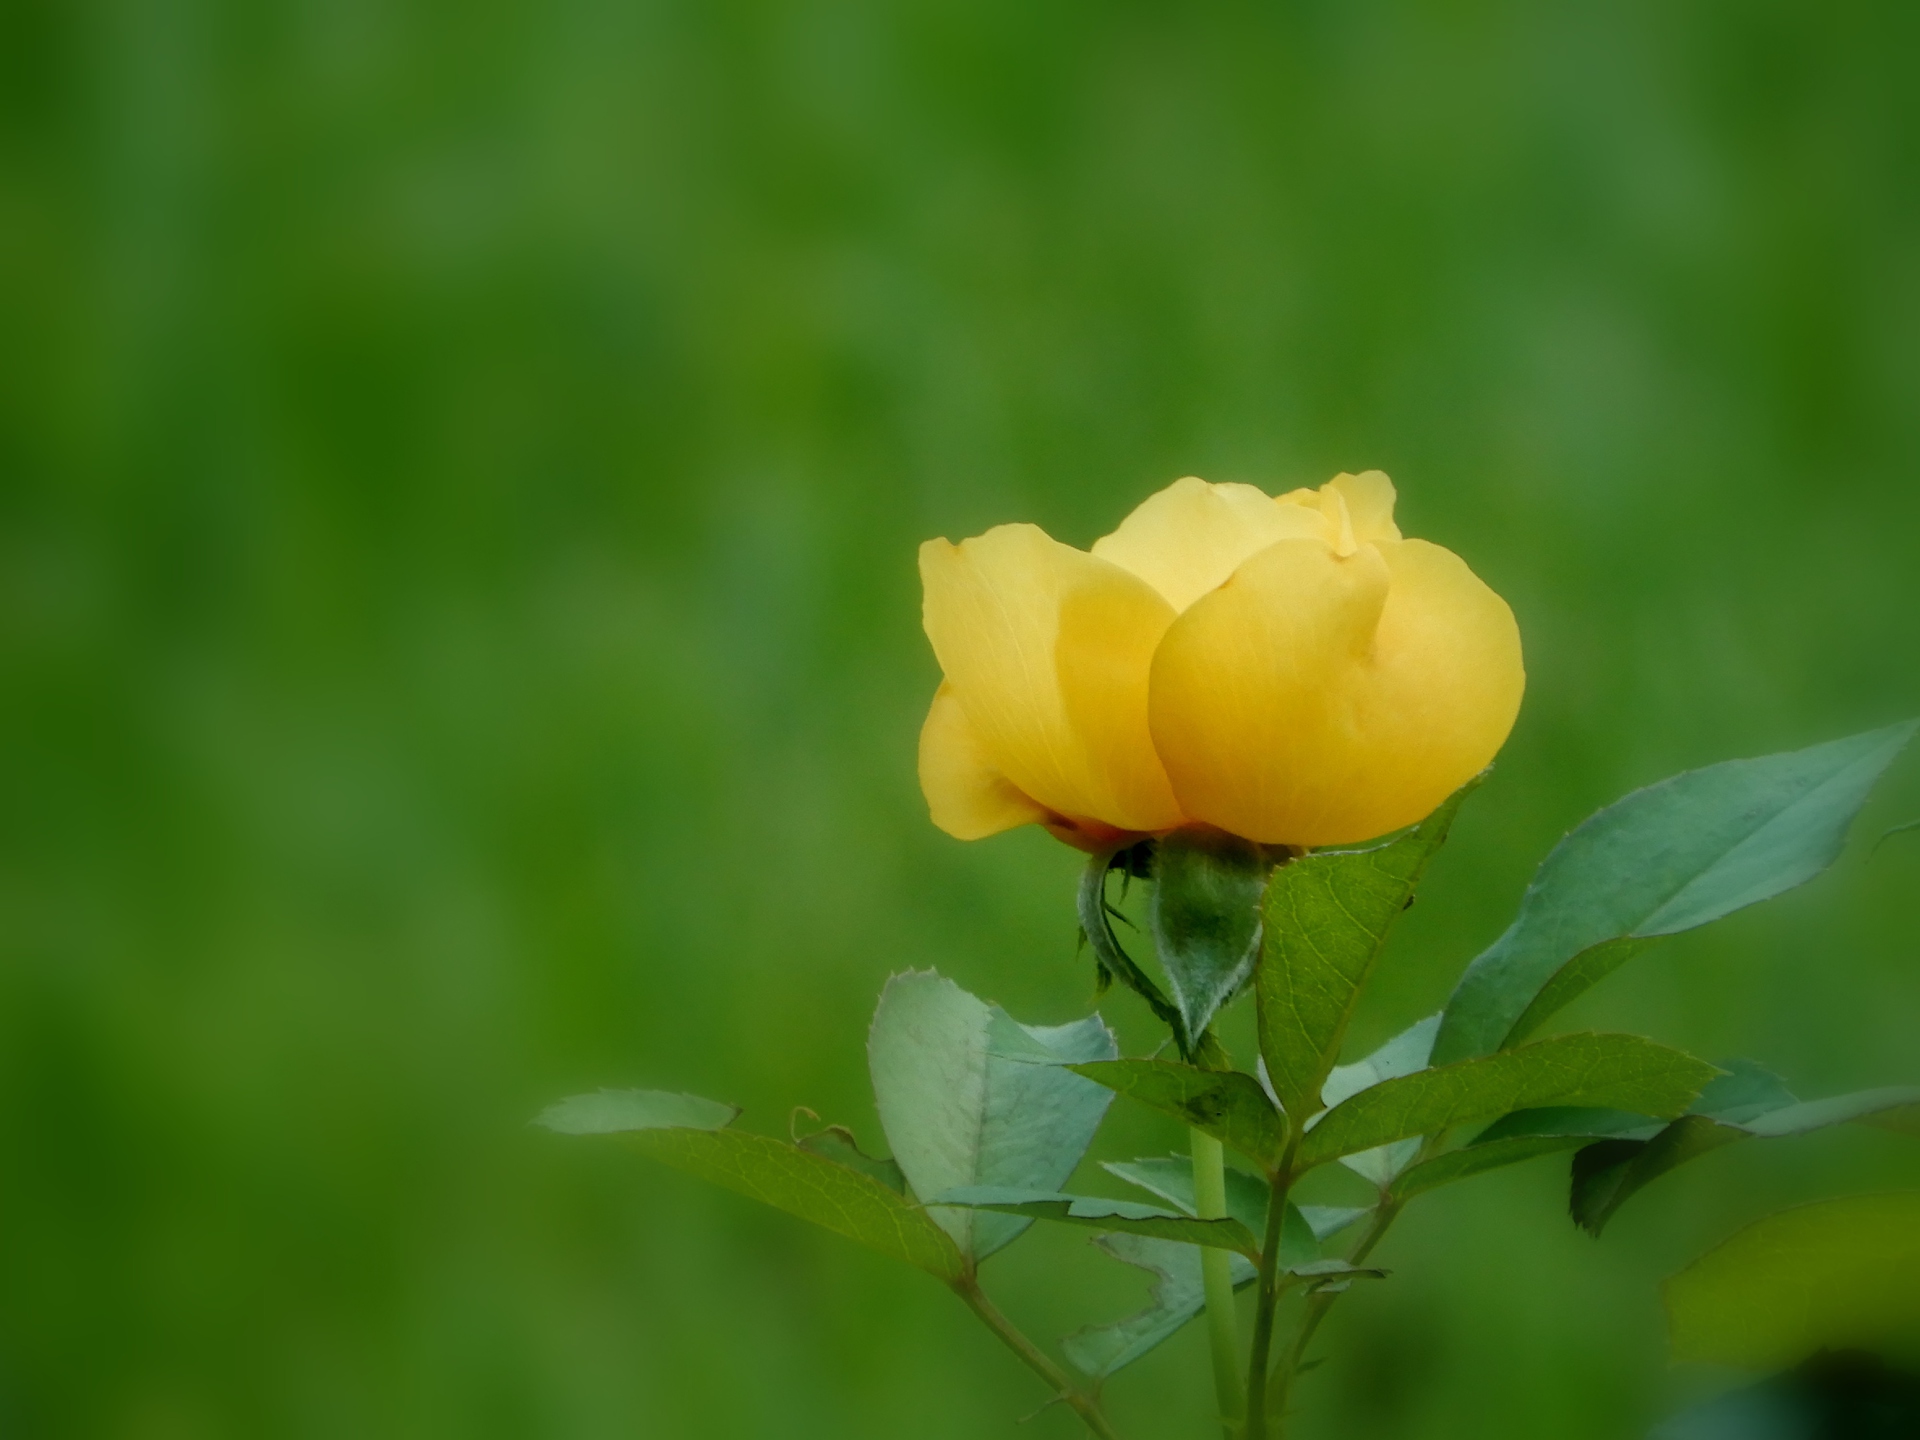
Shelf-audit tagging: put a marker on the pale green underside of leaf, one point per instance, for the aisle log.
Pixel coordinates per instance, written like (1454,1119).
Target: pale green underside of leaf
(1477,1160)
(1171,1178)
(1613,1174)
(1524,1135)
(686,1132)
(1100,1213)
(1617,1071)
(1402,1055)
(1226,1104)
(1895,1107)
(1178,1296)
(1747,1101)
(836,1143)
(1837,1274)
(1326,1221)
(1327,918)
(1664,859)
(611,1112)
(969,1096)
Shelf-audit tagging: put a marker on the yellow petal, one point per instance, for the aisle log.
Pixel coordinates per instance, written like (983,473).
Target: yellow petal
(1247,686)
(1369,498)
(1333,505)
(1446,681)
(1319,699)
(1191,536)
(1047,651)
(966,794)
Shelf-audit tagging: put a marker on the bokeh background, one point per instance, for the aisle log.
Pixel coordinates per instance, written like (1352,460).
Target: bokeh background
(461,470)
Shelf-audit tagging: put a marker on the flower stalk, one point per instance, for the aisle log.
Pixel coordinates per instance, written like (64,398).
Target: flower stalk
(1268,1299)
(1216,1273)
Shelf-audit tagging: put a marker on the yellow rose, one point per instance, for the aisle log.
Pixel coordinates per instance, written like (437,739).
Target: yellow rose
(1289,670)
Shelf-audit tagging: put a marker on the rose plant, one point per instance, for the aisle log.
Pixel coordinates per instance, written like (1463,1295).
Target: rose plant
(1268,712)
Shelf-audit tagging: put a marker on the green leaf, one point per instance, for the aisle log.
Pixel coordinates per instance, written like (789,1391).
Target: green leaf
(1402,1055)
(1747,1089)
(1906,828)
(1894,1106)
(690,1134)
(836,1143)
(1477,1159)
(1665,859)
(1839,1274)
(1846,1396)
(1326,1221)
(1226,1104)
(1171,1178)
(1618,1071)
(1326,920)
(613,1112)
(1178,1295)
(1608,1174)
(1121,1216)
(1206,920)
(1523,1135)
(1332,1273)
(1570,1122)
(969,1096)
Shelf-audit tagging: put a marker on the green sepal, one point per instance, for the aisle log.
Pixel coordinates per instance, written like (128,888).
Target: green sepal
(1205,916)
(1110,958)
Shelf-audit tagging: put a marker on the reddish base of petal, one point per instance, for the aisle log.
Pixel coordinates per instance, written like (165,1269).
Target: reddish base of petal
(1093,836)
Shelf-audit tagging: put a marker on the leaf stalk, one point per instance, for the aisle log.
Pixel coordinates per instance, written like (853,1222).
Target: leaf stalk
(1318,1304)
(1034,1358)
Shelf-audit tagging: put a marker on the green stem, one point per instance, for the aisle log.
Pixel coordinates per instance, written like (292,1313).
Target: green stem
(1269,1298)
(1216,1273)
(1088,1408)
(1317,1307)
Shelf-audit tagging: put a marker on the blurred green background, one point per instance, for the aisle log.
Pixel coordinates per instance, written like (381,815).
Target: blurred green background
(462,465)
